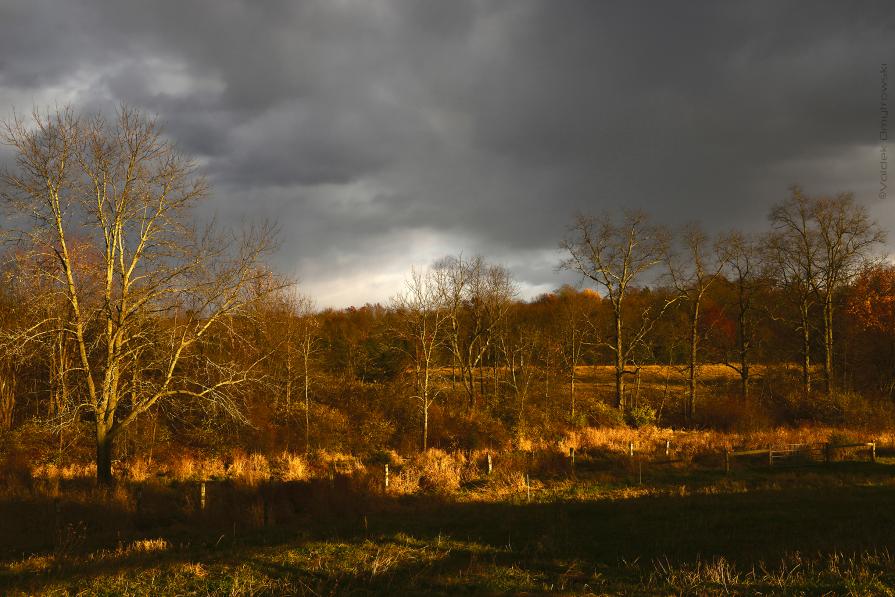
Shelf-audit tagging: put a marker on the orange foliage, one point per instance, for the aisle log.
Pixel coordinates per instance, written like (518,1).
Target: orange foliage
(872,299)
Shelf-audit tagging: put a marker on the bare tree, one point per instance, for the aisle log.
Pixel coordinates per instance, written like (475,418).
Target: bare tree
(126,193)
(791,252)
(11,347)
(289,328)
(521,350)
(845,237)
(574,324)
(743,262)
(820,245)
(423,317)
(477,296)
(310,343)
(692,274)
(615,256)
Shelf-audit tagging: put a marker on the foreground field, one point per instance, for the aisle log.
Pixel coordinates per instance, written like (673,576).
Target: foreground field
(613,525)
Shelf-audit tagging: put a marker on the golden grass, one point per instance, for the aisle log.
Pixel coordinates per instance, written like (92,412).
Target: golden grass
(433,470)
(651,440)
(250,469)
(156,563)
(438,471)
(324,463)
(292,467)
(187,467)
(70,471)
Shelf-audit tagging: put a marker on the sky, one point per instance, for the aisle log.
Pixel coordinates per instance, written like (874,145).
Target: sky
(381,135)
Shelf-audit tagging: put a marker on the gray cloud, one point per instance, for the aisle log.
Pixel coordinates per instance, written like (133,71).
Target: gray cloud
(379,134)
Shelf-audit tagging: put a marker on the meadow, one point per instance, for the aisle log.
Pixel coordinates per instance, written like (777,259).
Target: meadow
(326,524)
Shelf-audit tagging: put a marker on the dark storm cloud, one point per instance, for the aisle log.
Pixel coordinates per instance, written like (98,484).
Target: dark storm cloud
(380,134)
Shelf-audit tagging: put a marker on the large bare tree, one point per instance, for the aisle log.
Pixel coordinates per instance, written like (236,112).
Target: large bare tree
(116,193)
(791,255)
(819,245)
(846,237)
(744,267)
(616,255)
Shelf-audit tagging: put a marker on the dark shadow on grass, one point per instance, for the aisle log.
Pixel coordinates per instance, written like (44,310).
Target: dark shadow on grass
(543,539)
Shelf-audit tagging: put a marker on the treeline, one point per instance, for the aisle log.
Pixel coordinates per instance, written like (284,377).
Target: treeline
(126,325)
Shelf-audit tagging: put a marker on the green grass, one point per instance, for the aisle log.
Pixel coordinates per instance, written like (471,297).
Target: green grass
(810,530)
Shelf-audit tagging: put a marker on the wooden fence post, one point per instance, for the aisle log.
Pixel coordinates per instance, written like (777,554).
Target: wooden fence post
(770,456)
(727,461)
(630,448)
(667,446)
(572,457)
(489,463)
(872,451)
(386,475)
(827,453)
(527,487)
(202,496)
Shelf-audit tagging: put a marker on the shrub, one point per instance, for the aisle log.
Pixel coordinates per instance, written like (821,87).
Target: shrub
(433,471)
(439,471)
(640,416)
(601,414)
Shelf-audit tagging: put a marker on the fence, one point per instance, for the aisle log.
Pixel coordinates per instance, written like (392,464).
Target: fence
(798,453)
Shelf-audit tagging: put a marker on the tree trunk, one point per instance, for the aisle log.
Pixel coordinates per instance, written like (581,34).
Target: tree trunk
(482,377)
(288,383)
(691,378)
(744,349)
(103,454)
(7,397)
(547,388)
(806,352)
(307,409)
(425,423)
(619,365)
(495,389)
(828,346)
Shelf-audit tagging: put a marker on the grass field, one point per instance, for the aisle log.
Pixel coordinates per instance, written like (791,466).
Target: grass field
(613,525)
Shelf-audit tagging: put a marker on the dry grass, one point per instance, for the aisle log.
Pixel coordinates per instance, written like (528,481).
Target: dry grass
(139,470)
(581,532)
(865,573)
(432,471)
(437,471)
(250,469)
(292,467)
(68,472)
(325,463)
(186,467)
(651,440)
